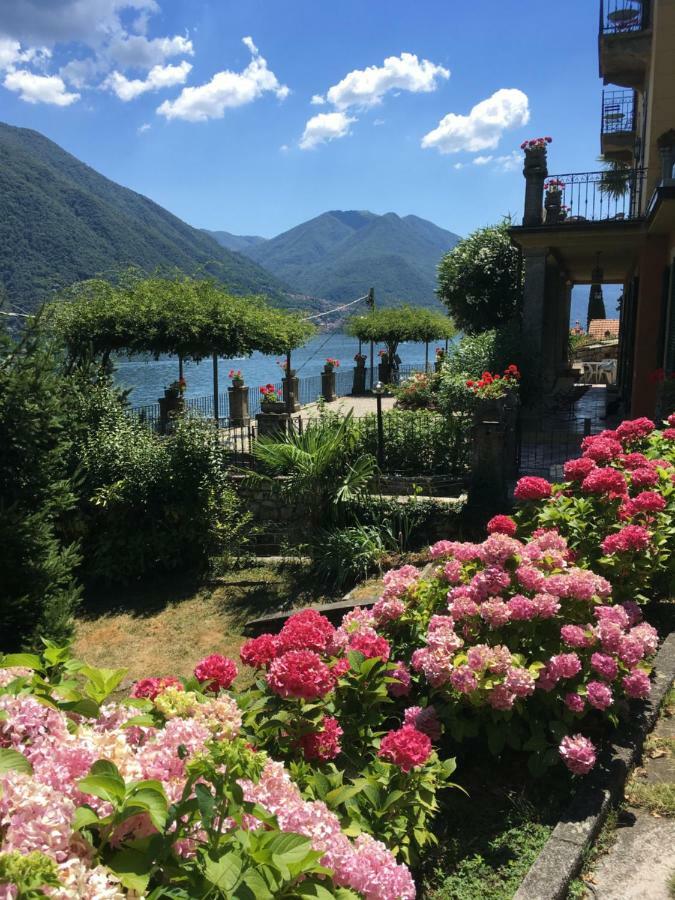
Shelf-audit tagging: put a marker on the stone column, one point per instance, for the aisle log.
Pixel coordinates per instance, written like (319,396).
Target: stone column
(328,385)
(666,145)
(359,382)
(534,300)
(290,390)
(238,397)
(565,310)
(535,173)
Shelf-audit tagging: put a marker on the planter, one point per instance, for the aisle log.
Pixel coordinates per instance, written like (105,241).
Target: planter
(170,405)
(384,373)
(490,409)
(238,395)
(359,381)
(290,385)
(552,205)
(328,385)
(276,407)
(535,173)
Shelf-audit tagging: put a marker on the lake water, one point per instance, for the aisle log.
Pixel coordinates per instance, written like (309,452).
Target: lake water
(148,377)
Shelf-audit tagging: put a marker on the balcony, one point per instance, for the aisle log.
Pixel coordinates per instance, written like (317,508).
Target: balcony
(624,41)
(618,129)
(606,196)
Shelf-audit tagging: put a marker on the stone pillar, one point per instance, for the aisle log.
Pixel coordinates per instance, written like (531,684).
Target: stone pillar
(652,264)
(238,397)
(328,385)
(666,145)
(359,382)
(289,385)
(273,424)
(384,373)
(565,310)
(535,173)
(534,300)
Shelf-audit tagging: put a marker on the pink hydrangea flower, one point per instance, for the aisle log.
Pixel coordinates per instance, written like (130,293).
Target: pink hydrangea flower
(630,539)
(645,477)
(495,613)
(532,488)
(574,702)
(578,469)
(576,636)
(634,430)
(502,525)
(306,630)
(564,665)
(578,754)
(599,694)
(371,645)
(636,684)
(323,745)
(519,681)
(150,688)
(401,686)
(405,747)
(606,481)
(300,673)
(601,449)
(501,698)
(463,679)
(605,665)
(521,608)
(216,672)
(260,651)
(424,719)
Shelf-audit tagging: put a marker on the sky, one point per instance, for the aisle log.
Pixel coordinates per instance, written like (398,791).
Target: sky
(256,115)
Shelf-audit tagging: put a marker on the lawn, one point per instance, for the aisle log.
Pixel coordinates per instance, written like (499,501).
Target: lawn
(165,627)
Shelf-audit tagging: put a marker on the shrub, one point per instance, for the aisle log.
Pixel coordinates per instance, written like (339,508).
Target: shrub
(38,558)
(616,507)
(480,279)
(344,556)
(150,504)
(417,392)
(161,796)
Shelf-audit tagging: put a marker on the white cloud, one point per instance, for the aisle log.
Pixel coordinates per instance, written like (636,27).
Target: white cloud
(158,77)
(378,122)
(482,160)
(363,88)
(226,90)
(483,127)
(136,51)
(511,162)
(325,127)
(146,126)
(458,166)
(12,54)
(317,100)
(39,88)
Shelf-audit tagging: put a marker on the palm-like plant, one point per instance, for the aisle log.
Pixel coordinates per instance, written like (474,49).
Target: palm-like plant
(321,472)
(615,179)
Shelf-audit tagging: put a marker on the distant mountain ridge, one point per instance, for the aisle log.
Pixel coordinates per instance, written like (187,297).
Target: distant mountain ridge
(341,253)
(237,242)
(61,222)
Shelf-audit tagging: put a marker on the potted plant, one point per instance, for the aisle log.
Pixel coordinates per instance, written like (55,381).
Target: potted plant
(553,200)
(238,397)
(328,379)
(495,393)
(271,400)
(440,356)
(289,385)
(172,403)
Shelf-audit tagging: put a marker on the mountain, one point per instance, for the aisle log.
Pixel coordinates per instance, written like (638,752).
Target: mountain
(61,222)
(340,254)
(237,242)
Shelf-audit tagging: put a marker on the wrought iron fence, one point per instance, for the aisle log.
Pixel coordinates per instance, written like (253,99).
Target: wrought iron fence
(543,448)
(602,196)
(309,391)
(618,111)
(621,16)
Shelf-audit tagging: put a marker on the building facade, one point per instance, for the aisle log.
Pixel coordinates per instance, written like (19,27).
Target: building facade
(616,225)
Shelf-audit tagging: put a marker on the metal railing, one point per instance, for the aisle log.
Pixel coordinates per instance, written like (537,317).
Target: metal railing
(618,111)
(622,16)
(309,391)
(602,196)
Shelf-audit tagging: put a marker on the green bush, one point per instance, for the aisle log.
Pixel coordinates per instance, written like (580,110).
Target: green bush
(344,556)
(418,442)
(150,504)
(38,592)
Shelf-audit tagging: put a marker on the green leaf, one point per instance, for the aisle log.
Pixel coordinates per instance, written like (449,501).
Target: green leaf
(27,660)
(84,707)
(84,816)
(13,761)
(152,799)
(289,848)
(206,803)
(223,873)
(132,868)
(342,794)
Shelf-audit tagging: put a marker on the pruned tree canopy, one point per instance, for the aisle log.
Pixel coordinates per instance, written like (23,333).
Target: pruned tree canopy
(397,324)
(188,317)
(480,280)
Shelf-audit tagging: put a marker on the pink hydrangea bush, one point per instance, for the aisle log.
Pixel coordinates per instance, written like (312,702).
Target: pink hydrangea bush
(68,779)
(615,506)
(515,638)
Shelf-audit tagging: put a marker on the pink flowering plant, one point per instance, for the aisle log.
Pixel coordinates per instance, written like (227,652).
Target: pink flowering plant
(615,506)
(160,795)
(513,641)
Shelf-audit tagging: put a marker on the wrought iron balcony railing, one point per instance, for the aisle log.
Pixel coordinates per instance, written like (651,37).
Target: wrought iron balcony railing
(610,195)
(618,111)
(620,16)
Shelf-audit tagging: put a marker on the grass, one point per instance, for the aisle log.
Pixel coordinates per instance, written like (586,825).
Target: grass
(163,628)
(492,837)
(657,798)
(671,885)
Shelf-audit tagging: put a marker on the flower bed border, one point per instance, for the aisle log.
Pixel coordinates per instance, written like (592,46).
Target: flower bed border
(562,856)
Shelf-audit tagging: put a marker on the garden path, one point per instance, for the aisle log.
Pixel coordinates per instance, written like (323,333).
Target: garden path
(360,406)
(640,864)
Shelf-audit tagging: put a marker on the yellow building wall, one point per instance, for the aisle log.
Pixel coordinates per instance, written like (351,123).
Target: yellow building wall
(661,86)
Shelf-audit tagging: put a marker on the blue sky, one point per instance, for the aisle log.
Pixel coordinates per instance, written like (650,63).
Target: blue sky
(92,75)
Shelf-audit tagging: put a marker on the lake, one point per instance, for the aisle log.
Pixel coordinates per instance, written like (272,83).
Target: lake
(147,378)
